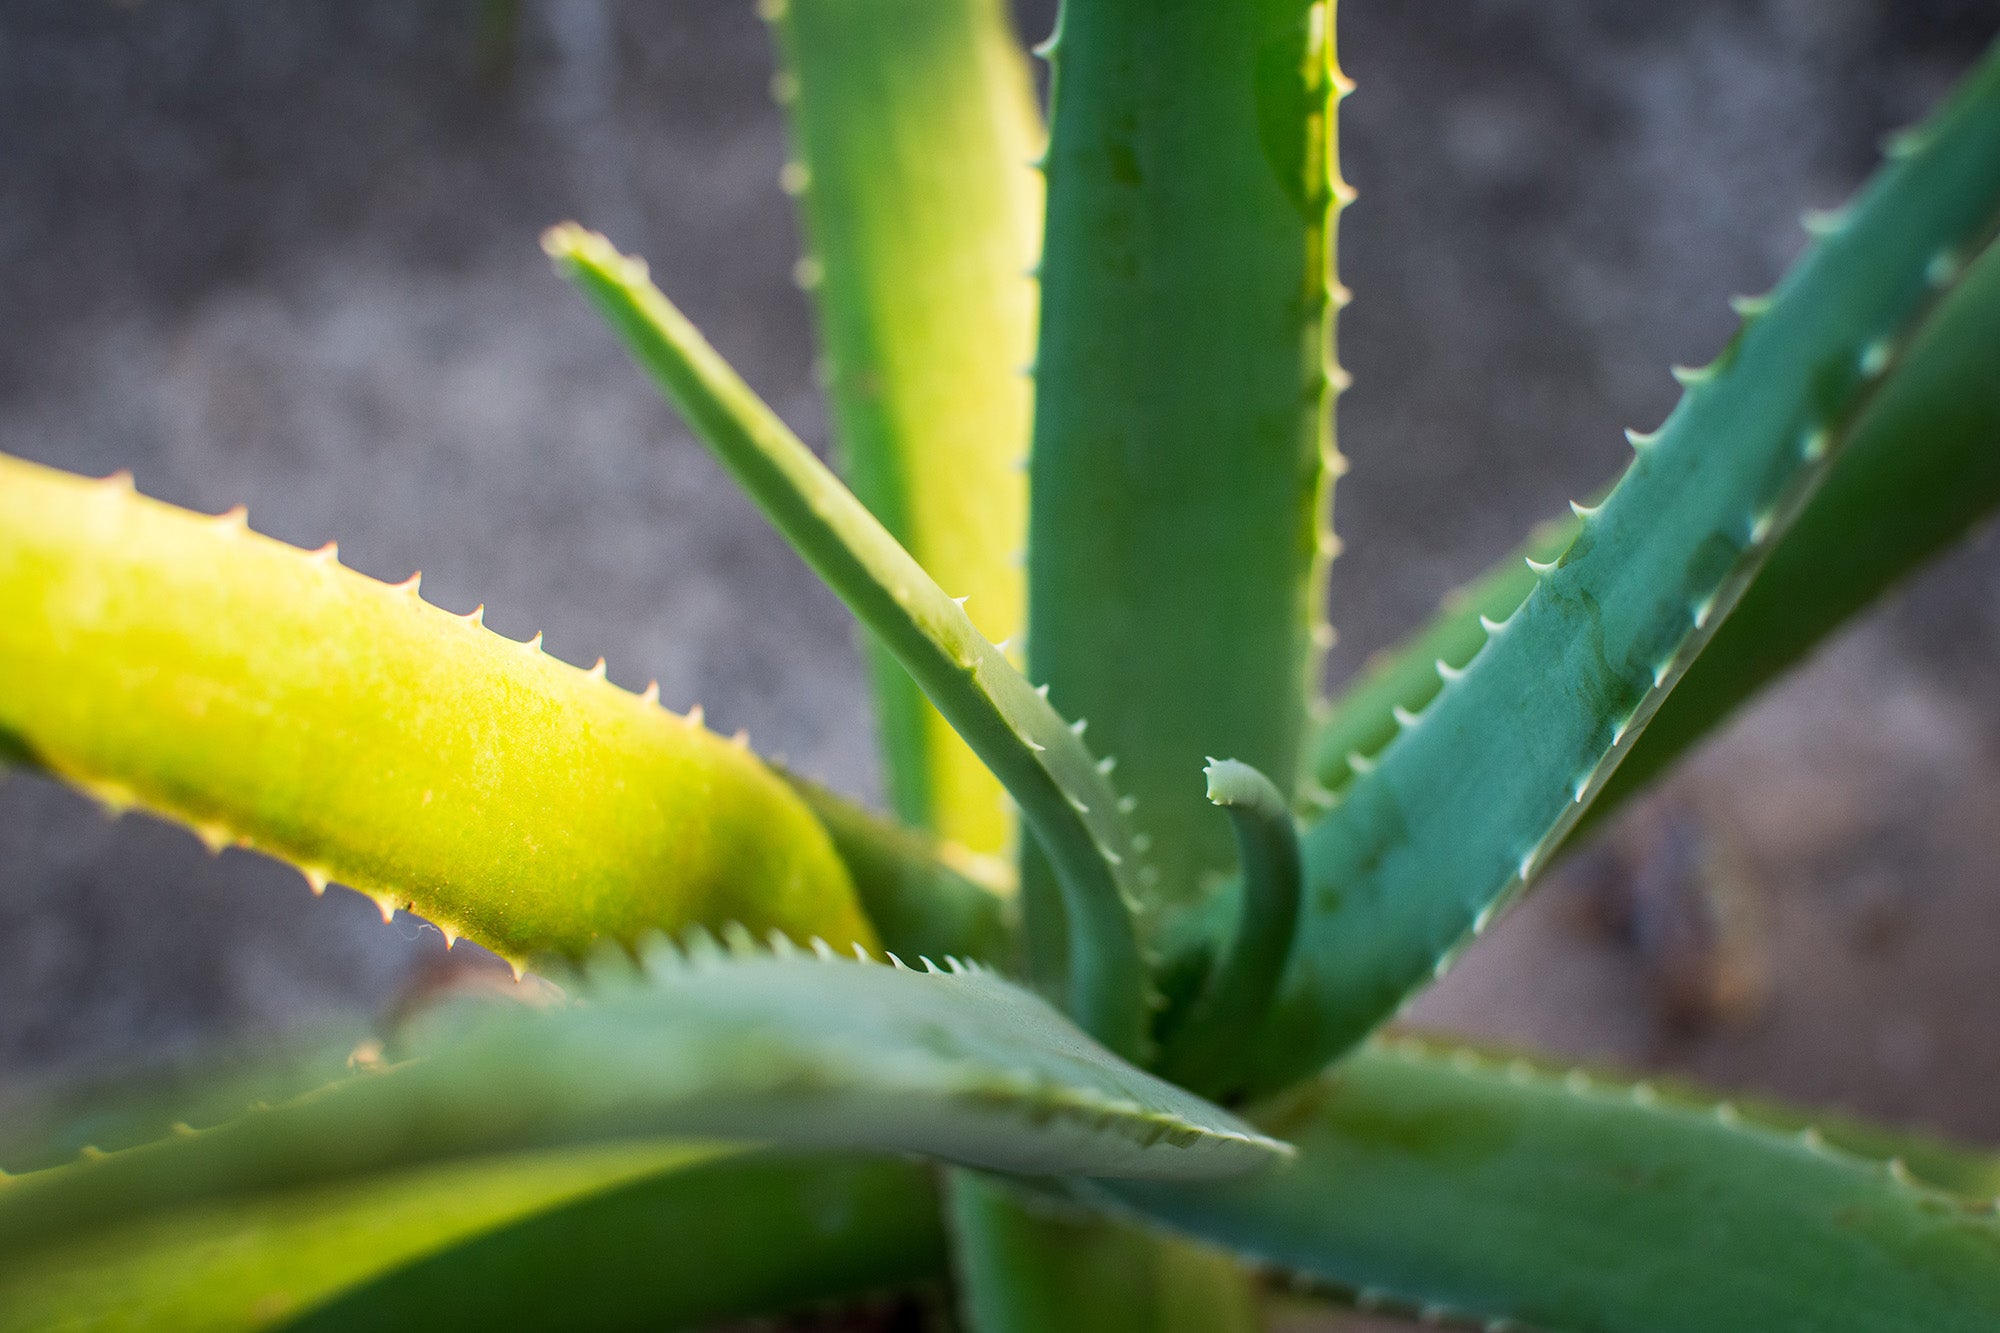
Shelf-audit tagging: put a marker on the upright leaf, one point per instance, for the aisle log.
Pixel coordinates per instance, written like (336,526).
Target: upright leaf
(1024,1265)
(913,125)
(1246,975)
(1480,1190)
(1480,789)
(275,699)
(1183,448)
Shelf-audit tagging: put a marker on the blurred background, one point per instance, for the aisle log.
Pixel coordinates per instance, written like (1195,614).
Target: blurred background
(286,255)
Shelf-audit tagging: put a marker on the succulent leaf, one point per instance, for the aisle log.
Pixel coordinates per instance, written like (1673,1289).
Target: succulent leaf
(1068,801)
(954,1063)
(1361,720)
(553,1239)
(1479,790)
(273,698)
(1025,1263)
(1241,985)
(1922,469)
(1183,450)
(913,123)
(1461,1187)
(925,898)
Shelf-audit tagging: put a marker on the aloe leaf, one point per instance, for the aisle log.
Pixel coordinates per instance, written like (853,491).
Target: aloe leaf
(1479,790)
(1026,1263)
(1067,799)
(957,1064)
(251,1263)
(913,123)
(1577,1204)
(1361,721)
(560,1239)
(751,1235)
(1183,450)
(274,699)
(925,898)
(1922,469)
(1241,984)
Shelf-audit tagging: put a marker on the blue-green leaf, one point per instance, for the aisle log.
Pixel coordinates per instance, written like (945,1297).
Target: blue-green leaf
(1478,791)
(958,1064)
(1485,1189)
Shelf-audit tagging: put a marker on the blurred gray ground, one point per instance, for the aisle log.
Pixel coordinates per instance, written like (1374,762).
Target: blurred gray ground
(286,255)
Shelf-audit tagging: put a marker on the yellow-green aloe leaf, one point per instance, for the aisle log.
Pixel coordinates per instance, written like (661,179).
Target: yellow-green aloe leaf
(913,126)
(536,1240)
(272,698)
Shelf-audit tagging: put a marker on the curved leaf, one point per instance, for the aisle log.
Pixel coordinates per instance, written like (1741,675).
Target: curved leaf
(1492,1190)
(280,701)
(1067,799)
(1242,981)
(961,1065)
(1479,790)
(913,122)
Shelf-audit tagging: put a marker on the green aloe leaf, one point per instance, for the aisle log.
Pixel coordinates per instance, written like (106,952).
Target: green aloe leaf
(627,1235)
(1922,469)
(1066,797)
(924,897)
(1361,721)
(1183,450)
(753,1234)
(1576,1204)
(1243,980)
(275,699)
(1478,791)
(913,125)
(913,128)
(1026,1263)
(957,1064)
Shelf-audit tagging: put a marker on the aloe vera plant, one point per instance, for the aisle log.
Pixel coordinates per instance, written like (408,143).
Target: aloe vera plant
(791,1052)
